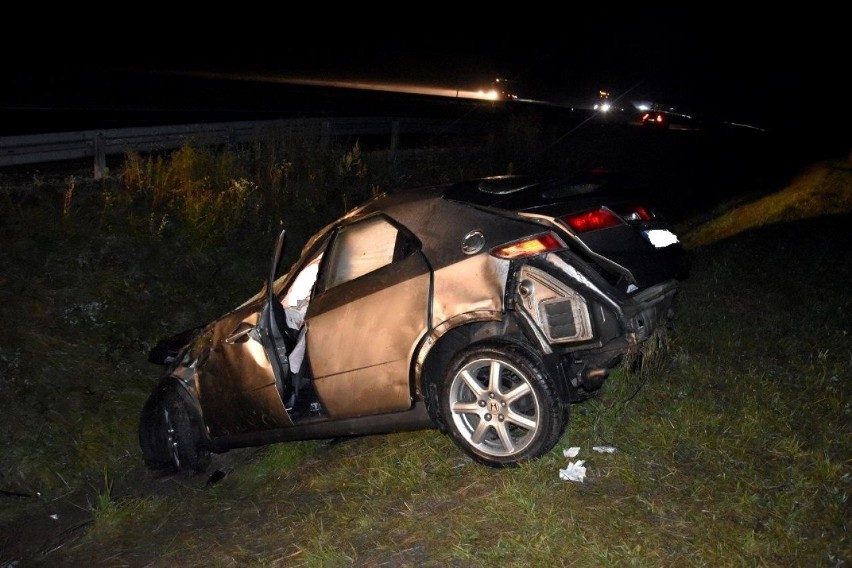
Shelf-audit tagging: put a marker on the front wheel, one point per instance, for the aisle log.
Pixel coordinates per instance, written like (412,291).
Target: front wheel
(500,405)
(170,434)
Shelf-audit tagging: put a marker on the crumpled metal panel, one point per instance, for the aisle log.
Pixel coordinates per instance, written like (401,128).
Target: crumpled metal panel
(441,226)
(538,291)
(236,385)
(475,284)
(582,281)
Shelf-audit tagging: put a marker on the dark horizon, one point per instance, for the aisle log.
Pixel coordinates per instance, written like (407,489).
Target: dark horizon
(788,77)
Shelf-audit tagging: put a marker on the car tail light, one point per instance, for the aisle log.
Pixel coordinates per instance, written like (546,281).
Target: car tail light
(603,218)
(592,220)
(634,213)
(530,246)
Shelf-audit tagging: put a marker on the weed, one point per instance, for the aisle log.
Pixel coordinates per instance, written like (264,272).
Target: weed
(732,427)
(66,201)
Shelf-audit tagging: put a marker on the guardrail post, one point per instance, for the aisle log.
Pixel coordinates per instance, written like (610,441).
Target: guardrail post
(99,153)
(325,137)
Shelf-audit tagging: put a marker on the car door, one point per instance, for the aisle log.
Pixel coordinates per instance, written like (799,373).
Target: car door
(368,313)
(244,378)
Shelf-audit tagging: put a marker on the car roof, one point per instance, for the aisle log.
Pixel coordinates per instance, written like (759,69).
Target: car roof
(440,215)
(524,193)
(507,192)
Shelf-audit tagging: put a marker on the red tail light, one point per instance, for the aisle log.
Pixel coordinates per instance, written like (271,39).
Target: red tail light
(530,246)
(592,220)
(634,213)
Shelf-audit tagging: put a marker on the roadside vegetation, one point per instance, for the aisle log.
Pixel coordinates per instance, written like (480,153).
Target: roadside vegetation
(822,188)
(732,437)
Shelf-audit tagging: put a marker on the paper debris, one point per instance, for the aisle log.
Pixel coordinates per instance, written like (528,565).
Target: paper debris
(604,449)
(574,472)
(54,516)
(571,452)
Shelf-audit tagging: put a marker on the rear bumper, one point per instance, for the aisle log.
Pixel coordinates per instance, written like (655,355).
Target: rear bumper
(587,367)
(647,310)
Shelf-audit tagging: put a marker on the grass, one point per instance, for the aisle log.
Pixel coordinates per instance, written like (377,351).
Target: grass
(733,435)
(821,189)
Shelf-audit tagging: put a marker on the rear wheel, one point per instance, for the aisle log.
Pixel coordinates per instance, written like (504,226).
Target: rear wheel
(500,405)
(170,434)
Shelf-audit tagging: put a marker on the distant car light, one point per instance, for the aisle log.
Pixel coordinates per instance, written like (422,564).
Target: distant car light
(655,118)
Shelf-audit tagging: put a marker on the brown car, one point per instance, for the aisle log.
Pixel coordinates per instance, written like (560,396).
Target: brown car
(483,308)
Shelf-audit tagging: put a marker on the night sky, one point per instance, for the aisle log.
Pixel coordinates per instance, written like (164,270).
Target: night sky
(776,69)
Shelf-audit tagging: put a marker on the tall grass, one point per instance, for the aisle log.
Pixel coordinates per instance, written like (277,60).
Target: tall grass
(824,188)
(732,429)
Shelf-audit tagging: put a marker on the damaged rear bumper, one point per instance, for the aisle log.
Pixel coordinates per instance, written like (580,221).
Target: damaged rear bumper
(648,309)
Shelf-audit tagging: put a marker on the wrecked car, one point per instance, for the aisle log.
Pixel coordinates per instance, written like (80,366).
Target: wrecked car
(482,308)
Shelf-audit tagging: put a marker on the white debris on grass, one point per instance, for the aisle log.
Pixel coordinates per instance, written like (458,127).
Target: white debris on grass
(575,470)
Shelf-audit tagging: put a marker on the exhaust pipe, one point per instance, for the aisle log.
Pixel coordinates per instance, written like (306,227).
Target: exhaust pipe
(592,378)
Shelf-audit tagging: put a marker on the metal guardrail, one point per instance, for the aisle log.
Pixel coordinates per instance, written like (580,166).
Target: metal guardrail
(97,144)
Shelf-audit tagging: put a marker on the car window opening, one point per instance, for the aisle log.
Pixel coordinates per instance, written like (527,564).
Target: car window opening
(295,303)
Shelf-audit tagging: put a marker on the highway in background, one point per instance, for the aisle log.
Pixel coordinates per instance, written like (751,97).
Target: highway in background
(92,99)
